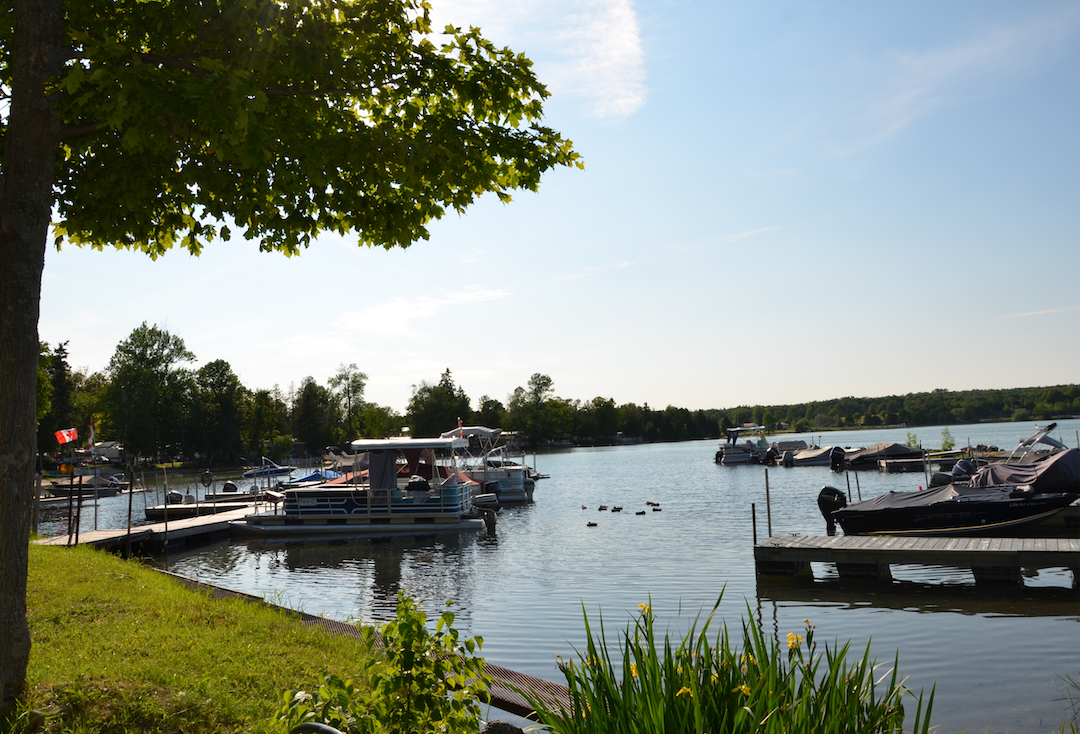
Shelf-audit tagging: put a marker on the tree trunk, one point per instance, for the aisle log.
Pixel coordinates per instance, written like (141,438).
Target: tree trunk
(25,208)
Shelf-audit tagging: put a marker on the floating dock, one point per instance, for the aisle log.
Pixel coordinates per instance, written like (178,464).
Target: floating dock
(997,560)
(173,534)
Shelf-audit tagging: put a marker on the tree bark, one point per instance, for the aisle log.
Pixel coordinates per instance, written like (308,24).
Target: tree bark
(26,196)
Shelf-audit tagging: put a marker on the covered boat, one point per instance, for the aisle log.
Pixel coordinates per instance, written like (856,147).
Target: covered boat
(949,510)
(1059,472)
(885,450)
(814,456)
(411,486)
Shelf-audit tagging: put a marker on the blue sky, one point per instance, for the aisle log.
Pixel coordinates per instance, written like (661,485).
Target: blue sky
(781,202)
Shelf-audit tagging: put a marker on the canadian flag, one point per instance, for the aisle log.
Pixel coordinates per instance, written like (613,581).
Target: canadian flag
(68,434)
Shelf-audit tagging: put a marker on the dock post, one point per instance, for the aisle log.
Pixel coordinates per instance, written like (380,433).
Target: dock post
(131,499)
(753,520)
(768,503)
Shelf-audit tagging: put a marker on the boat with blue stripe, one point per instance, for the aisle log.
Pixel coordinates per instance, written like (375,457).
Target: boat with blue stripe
(398,486)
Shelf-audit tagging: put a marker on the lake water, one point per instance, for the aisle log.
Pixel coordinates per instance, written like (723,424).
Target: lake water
(998,658)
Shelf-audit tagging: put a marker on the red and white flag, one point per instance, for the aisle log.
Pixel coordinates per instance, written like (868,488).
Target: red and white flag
(67,434)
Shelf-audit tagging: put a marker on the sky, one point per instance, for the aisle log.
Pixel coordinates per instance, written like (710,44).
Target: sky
(781,202)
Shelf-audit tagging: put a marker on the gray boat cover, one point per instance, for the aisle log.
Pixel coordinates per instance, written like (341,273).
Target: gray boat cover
(811,457)
(382,469)
(895,500)
(1058,472)
(885,450)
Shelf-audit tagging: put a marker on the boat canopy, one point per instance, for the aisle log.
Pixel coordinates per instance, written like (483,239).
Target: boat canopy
(403,443)
(1058,472)
(733,433)
(487,434)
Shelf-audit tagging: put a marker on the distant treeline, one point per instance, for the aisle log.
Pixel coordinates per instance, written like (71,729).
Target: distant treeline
(939,407)
(148,400)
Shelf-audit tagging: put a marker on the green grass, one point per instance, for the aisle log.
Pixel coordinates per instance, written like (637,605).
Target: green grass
(118,647)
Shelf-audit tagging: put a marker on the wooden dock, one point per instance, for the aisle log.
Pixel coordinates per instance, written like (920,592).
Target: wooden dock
(175,533)
(869,556)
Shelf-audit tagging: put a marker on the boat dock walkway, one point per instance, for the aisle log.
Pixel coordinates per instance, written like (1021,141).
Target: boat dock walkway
(179,531)
(869,556)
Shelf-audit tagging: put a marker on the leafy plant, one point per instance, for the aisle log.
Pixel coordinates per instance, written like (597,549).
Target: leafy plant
(424,682)
(912,440)
(701,685)
(947,440)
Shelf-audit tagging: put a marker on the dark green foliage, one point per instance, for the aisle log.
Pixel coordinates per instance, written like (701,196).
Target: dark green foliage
(436,408)
(210,416)
(150,393)
(425,681)
(314,415)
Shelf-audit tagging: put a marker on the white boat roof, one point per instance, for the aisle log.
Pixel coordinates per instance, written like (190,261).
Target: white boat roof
(406,442)
(481,431)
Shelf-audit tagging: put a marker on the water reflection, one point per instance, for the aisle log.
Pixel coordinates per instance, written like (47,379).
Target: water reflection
(923,597)
(355,579)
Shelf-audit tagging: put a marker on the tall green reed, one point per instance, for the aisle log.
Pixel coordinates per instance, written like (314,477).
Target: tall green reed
(698,684)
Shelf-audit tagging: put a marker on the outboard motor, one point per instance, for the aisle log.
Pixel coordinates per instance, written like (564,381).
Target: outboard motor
(788,459)
(229,486)
(963,468)
(174,498)
(940,479)
(770,456)
(837,462)
(829,500)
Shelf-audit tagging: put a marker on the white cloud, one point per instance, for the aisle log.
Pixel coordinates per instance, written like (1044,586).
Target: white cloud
(396,317)
(590,271)
(588,50)
(917,84)
(1063,309)
(732,238)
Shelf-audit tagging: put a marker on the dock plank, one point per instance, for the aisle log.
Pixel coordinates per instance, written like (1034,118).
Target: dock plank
(173,530)
(959,552)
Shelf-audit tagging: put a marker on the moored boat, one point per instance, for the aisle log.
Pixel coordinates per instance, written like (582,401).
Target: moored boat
(732,452)
(268,469)
(410,486)
(886,450)
(490,466)
(89,486)
(948,510)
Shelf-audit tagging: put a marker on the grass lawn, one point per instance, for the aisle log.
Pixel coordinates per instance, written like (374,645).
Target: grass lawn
(118,647)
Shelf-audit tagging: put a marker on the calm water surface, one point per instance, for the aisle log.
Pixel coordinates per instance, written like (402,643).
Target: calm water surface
(997,658)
